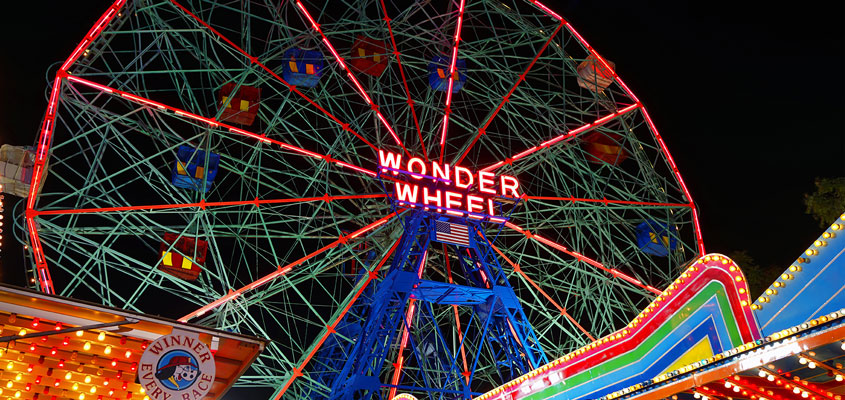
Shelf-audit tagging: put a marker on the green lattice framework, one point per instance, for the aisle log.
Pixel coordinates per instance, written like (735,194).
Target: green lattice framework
(294,201)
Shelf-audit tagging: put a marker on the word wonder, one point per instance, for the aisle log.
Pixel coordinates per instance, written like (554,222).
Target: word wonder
(447,189)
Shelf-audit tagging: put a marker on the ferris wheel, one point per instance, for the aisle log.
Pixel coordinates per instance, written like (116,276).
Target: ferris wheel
(283,168)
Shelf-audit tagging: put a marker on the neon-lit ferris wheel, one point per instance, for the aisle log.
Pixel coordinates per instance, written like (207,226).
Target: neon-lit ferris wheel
(219,162)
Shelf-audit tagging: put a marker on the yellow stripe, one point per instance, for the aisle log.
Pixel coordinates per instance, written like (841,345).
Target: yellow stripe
(186,263)
(229,105)
(376,57)
(244,105)
(166,258)
(361,52)
(699,351)
(180,168)
(606,149)
(293,67)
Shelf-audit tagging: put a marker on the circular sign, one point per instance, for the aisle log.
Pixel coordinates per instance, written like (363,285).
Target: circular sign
(176,366)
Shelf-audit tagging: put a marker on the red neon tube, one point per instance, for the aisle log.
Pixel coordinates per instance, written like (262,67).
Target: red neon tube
(281,271)
(215,123)
(599,122)
(351,76)
(448,108)
(506,98)
(330,328)
(254,60)
(404,79)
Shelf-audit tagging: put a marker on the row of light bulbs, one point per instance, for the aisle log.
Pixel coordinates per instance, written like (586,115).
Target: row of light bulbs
(788,276)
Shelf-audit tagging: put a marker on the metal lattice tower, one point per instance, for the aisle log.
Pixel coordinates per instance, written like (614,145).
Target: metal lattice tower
(289,233)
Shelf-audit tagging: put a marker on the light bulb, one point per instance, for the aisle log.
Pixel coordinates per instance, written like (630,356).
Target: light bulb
(87,379)
(101,336)
(107,350)
(86,346)
(68,376)
(79,333)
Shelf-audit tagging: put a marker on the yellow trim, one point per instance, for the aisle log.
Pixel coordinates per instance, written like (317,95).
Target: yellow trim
(186,263)
(199,173)
(361,52)
(244,105)
(699,351)
(180,168)
(377,57)
(607,149)
(224,102)
(167,258)
(293,67)
(664,239)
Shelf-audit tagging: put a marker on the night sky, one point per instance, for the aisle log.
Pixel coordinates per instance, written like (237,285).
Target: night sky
(749,98)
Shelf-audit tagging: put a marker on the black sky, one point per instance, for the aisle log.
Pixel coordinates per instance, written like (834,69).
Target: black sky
(749,97)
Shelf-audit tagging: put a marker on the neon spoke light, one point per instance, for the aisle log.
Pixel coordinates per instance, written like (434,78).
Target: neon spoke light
(311,214)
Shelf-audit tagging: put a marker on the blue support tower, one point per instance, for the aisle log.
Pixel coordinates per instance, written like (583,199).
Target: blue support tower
(395,336)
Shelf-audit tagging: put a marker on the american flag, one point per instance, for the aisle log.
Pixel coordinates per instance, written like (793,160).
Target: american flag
(449,233)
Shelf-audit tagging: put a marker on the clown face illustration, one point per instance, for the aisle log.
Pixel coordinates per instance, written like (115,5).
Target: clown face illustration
(177,371)
(186,373)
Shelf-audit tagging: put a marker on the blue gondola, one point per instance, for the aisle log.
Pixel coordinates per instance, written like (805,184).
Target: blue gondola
(189,170)
(438,74)
(656,238)
(302,67)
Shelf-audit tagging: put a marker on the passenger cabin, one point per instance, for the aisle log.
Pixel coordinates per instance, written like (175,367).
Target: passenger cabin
(438,74)
(604,147)
(16,163)
(369,55)
(182,257)
(191,171)
(239,107)
(302,67)
(656,238)
(594,75)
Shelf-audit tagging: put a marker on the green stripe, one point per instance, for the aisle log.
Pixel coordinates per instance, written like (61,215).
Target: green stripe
(629,358)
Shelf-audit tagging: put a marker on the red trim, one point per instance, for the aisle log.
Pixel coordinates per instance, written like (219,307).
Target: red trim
(283,270)
(562,310)
(404,80)
(612,271)
(45,138)
(605,201)
(351,76)
(254,60)
(506,98)
(204,204)
(329,329)
(214,123)
(447,107)
(599,122)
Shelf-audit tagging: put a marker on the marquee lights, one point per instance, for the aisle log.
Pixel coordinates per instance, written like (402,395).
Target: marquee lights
(454,190)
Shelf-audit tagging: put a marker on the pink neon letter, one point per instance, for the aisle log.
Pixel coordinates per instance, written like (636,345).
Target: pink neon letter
(463,171)
(415,160)
(389,159)
(440,172)
(485,182)
(509,184)
(436,199)
(453,200)
(406,192)
(475,204)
